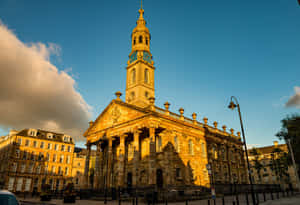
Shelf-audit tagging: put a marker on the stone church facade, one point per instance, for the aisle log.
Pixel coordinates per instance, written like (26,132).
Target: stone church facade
(142,145)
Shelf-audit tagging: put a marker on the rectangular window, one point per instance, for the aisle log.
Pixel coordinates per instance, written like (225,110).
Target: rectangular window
(66,171)
(23,167)
(34,144)
(17,153)
(53,170)
(56,147)
(30,168)
(69,148)
(63,148)
(19,141)
(27,184)
(11,182)
(42,145)
(19,184)
(24,155)
(38,169)
(46,169)
(54,158)
(27,143)
(59,170)
(68,159)
(49,146)
(14,167)
(61,159)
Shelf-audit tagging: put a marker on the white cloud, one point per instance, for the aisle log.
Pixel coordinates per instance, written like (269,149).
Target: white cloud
(294,101)
(34,93)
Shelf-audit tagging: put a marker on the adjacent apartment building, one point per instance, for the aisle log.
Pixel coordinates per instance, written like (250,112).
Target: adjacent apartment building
(271,165)
(33,157)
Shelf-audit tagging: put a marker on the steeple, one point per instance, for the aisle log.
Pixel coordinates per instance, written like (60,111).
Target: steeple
(140,69)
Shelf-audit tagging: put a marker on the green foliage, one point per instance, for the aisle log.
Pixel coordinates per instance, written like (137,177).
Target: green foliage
(290,130)
(257,164)
(280,162)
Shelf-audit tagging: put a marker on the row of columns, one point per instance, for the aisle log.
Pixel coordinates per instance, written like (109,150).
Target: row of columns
(105,159)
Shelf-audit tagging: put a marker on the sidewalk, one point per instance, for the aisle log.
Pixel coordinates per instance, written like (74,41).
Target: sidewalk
(293,200)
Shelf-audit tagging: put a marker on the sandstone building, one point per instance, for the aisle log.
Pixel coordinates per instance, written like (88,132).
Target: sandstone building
(33,157)
(270,165)
(142,145)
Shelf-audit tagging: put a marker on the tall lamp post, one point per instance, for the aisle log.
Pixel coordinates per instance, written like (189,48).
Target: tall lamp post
(232,106)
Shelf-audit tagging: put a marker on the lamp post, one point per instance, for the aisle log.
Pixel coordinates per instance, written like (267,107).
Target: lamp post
(232,106)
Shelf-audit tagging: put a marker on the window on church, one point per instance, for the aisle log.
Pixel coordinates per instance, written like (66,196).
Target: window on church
(134,41)
(133,76)
(191,147)
(146,41)
(203,149)
(146,76)
(140,39)
(159,144)
(132,95)
(176,144)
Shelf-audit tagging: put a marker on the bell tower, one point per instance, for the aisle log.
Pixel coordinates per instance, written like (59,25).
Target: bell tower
(140,69)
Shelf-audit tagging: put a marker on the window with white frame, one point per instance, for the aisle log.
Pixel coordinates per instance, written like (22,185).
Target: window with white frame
(27,184)
(49,146)
(30,168)
(14,167)
(27,143)
(17,153)
(59,170)
(42,145)
(11,182)
(19,184)
(56,147)
(62,148)
(68,159)
(66,171)
(53,170)
(23,167)
(38,169)
(34,144)
(54,158)
(61,159)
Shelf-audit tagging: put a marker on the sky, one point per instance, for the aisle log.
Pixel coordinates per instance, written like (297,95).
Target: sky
(62,61)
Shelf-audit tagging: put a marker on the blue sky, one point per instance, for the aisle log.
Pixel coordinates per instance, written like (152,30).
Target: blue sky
(204,52)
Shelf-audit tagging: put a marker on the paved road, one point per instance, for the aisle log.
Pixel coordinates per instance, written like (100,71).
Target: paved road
(293,200)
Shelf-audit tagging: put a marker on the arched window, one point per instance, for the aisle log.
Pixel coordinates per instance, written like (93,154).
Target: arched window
(146,76)
(146,41)
(203,149)
(159,144)
(176,144)
(191,147)
(140,39)
(134,41)
(133,74)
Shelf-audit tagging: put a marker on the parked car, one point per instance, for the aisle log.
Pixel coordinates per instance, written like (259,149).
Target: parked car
(8,198)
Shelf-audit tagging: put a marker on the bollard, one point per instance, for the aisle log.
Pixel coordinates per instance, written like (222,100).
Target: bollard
(247,200)
(223,200)
(257,197)
(272,195)
(237,199)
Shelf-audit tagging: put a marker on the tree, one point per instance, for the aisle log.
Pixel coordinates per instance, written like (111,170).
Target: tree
(257,165)
(280,162)
(290,130)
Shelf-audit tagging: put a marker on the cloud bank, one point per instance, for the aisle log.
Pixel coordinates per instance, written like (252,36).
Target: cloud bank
(34,93)
(294,101)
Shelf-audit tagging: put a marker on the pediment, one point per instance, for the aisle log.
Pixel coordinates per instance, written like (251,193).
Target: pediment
(115,113)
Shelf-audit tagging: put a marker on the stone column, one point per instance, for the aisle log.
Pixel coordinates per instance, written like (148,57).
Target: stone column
(152,155)
(97,167)
(121,161)
(109,167)
(136,157)
(87,166)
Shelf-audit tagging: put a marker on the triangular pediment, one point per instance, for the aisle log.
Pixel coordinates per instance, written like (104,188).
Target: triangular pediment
(117,112)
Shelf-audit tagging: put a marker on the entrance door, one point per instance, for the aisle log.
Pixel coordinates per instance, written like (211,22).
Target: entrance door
(129,179)
(159,178)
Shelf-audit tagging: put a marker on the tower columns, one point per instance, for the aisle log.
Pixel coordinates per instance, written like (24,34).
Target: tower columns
(121,167)
(136,157)
(87,165)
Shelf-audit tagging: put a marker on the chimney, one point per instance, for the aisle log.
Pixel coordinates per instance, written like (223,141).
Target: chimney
(275,143)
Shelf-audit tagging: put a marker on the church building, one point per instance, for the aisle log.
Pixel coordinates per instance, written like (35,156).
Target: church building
(142,145)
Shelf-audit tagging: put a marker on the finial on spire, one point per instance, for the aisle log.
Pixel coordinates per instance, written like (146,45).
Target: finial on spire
(141,4)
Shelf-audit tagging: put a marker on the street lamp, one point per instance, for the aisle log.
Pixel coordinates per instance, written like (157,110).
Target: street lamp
(232,106)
